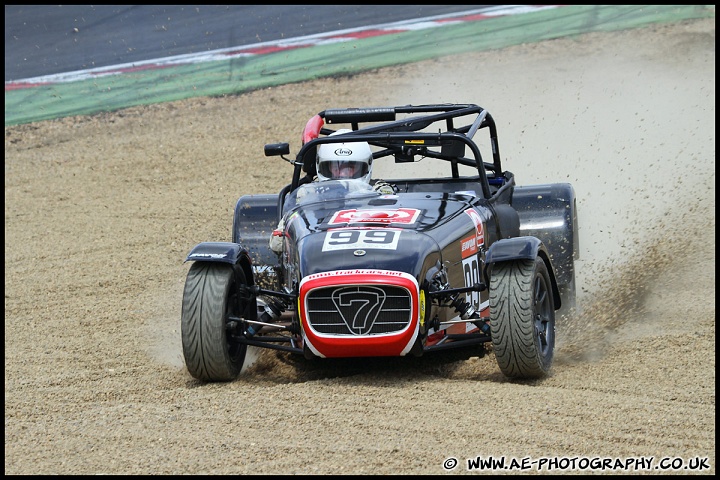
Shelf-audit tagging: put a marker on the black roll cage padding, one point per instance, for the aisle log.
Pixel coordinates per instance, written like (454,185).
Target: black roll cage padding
(281,200)
(391,136)
(356,115)
(405,124)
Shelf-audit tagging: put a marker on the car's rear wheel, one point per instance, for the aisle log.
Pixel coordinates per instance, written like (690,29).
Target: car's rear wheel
(209,299)
(522,318)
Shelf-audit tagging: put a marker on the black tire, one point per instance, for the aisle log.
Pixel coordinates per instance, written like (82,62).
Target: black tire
(209,298)
(522,318)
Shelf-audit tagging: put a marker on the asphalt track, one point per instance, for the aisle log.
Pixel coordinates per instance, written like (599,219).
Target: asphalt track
(50,39)
(236,70)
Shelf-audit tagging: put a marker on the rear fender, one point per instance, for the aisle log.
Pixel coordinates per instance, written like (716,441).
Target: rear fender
(549,213)
(522,248)
(254,221)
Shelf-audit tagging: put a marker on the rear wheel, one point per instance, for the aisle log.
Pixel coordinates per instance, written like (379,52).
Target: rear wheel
(209,299)
(522,318)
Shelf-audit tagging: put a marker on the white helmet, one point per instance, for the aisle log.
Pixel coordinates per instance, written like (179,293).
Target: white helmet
(344,160)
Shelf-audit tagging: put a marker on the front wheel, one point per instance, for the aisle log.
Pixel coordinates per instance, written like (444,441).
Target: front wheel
(522,318)
(209,299)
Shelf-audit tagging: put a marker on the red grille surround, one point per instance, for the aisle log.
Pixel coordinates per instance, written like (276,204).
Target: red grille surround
(350,343)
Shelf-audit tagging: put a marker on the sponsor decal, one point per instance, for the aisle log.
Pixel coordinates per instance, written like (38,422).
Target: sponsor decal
(468,246)
(302,328)
(470,264)
(479,230)
(359,271)
(209,255)
(405,216)
(343,152)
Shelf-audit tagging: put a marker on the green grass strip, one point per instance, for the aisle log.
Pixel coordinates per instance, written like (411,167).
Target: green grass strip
(238,75)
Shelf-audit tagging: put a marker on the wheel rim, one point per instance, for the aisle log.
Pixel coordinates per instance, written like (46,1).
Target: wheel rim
(544,318)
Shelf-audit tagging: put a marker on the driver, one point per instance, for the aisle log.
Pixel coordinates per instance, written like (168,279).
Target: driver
(339,161)
(344,161)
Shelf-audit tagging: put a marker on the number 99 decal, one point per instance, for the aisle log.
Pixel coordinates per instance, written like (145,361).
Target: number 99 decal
(471,269)
(351,239)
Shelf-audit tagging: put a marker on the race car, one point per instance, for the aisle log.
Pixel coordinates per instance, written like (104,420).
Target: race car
(449,254)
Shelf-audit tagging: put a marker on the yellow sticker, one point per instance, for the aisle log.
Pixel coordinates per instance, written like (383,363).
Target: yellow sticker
(422,308)
(298,310)
(415,142)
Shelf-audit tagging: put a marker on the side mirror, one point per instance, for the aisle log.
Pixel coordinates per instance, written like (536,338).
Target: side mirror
(275,149)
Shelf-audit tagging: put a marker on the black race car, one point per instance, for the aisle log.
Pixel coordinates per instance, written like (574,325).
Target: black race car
(453,255)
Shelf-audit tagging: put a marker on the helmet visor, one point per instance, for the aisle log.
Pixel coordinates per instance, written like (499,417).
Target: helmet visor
(343,169)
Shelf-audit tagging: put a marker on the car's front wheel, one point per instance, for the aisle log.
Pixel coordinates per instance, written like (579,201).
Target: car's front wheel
(210,298)
(522,318)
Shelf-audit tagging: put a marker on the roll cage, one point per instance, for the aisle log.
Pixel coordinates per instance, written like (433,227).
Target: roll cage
(403,138)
